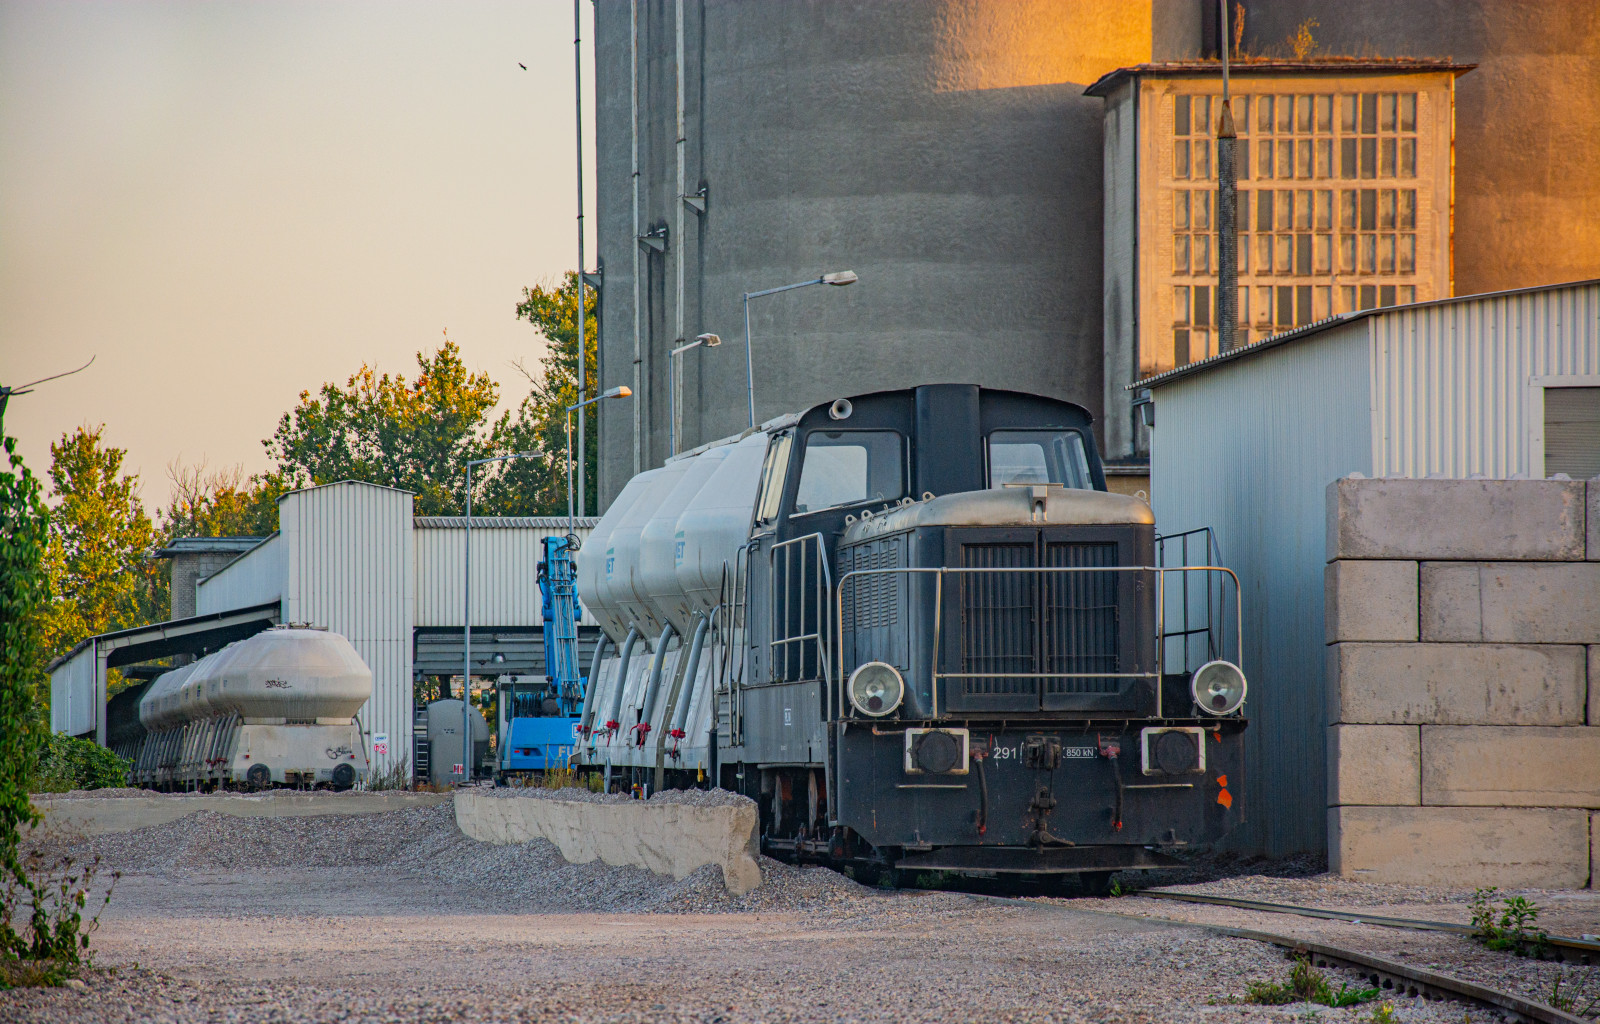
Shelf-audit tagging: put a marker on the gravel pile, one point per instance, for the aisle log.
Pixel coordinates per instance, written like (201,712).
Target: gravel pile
(531,877)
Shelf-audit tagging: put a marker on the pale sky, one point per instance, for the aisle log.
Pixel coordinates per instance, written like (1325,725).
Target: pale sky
(228,203)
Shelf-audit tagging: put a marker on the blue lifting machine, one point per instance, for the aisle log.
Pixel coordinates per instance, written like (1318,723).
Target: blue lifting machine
(539,718)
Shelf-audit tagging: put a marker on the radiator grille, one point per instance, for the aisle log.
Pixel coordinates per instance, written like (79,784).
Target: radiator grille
(1080,628)
(998,631)
(871,601)
(1039,623)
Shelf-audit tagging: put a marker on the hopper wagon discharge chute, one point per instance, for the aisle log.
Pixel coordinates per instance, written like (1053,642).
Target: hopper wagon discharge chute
(276,709)
(919,632)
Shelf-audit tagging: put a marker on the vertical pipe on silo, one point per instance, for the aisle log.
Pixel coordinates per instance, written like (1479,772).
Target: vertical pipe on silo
(638,352)
(1227,203)
(677,303)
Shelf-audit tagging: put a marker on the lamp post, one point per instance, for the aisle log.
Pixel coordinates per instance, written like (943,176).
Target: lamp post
(709,341)
(466,621)
(838,278)
(620,391)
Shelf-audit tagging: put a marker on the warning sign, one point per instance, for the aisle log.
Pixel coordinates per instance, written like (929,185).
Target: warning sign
(380,744)
(458,769)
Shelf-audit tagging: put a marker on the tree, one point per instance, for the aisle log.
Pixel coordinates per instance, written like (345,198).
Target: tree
(539,486)
(97,559)
(221,504)
(417,436)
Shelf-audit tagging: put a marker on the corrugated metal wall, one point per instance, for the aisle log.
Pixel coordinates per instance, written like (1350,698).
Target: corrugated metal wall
(1450,382)
(505,561)
(348,552)
(72,694)
(1248,448)
(256,577)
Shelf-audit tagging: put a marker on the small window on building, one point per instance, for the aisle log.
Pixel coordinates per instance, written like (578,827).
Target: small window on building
(1572,432)
(1038,457)
(846,467)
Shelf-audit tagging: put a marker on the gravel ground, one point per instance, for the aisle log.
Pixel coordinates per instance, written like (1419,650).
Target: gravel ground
(399,917)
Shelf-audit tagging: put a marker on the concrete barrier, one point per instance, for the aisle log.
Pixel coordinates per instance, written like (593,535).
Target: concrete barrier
(98,815)
(667,838)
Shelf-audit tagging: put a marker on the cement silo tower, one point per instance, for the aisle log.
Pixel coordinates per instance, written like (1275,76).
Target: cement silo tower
(941,149)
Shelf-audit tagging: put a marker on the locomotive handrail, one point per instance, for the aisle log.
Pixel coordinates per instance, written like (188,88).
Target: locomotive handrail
(824,587)
(940,572)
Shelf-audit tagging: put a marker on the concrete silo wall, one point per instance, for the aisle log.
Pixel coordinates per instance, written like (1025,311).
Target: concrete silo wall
(942,149)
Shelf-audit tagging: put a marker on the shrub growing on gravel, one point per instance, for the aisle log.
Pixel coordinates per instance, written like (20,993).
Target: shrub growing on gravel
(66,763)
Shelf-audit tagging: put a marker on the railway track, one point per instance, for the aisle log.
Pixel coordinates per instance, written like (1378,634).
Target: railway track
(1577,950)
(1392,977)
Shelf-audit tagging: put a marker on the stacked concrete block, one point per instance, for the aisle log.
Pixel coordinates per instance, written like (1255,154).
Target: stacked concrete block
(1463,630)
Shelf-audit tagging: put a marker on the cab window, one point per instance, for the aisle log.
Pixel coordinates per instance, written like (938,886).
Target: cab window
(848,467)
(1039,457)
(773,472)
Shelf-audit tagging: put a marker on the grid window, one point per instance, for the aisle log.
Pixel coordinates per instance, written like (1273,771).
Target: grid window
(1330,225)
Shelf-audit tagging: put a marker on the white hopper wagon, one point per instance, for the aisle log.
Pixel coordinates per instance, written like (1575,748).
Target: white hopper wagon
(276,709)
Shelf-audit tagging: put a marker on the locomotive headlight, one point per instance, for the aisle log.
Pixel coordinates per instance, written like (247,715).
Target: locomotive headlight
(1219,687)
(876,689)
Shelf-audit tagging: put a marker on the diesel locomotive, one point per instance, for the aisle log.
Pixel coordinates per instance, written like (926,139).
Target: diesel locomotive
(918,630)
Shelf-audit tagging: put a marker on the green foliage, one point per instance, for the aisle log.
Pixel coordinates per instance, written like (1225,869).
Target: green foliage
(224,503)
(53,939)
(24,532)
(1383,1013)
(1513,927)
(97,559)
(1580,1000)
(396,776)
(1306,984)
(65,763)
(538,486)
(51,896)
(415,435)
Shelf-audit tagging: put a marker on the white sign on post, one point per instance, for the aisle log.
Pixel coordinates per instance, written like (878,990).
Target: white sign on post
(380,744)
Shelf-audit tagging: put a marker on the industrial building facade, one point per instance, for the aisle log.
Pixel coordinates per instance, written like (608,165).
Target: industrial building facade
(1247,443)
(350,557)
(955,156)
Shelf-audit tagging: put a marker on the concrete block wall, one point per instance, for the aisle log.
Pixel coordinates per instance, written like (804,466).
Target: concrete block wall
(1463,633)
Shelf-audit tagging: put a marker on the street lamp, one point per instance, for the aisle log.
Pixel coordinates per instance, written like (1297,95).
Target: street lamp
(466,621)
(709,341)
(838,279)
(620,391)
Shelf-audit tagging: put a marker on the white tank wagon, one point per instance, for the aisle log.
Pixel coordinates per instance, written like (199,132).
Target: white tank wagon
(659,573)
(277,709)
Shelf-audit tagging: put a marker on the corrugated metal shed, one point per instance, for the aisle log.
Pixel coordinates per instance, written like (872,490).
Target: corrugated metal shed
(349,568)
(255,577)
(505,559)
(72,693)
(1247,443)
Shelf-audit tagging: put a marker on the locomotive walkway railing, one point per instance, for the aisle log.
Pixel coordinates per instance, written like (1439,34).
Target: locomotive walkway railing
(939,573)
(801,583)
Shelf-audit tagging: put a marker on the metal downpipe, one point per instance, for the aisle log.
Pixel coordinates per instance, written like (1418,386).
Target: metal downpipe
(622,679)
(680,714)
(594,683)
(654,689)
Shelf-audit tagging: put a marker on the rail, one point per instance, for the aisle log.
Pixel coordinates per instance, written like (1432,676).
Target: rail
(939,573)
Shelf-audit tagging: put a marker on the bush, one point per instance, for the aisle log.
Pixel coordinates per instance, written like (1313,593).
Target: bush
(67,763)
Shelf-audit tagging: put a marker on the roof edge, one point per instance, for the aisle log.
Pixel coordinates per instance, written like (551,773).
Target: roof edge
(1190,369)
(1339,65)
